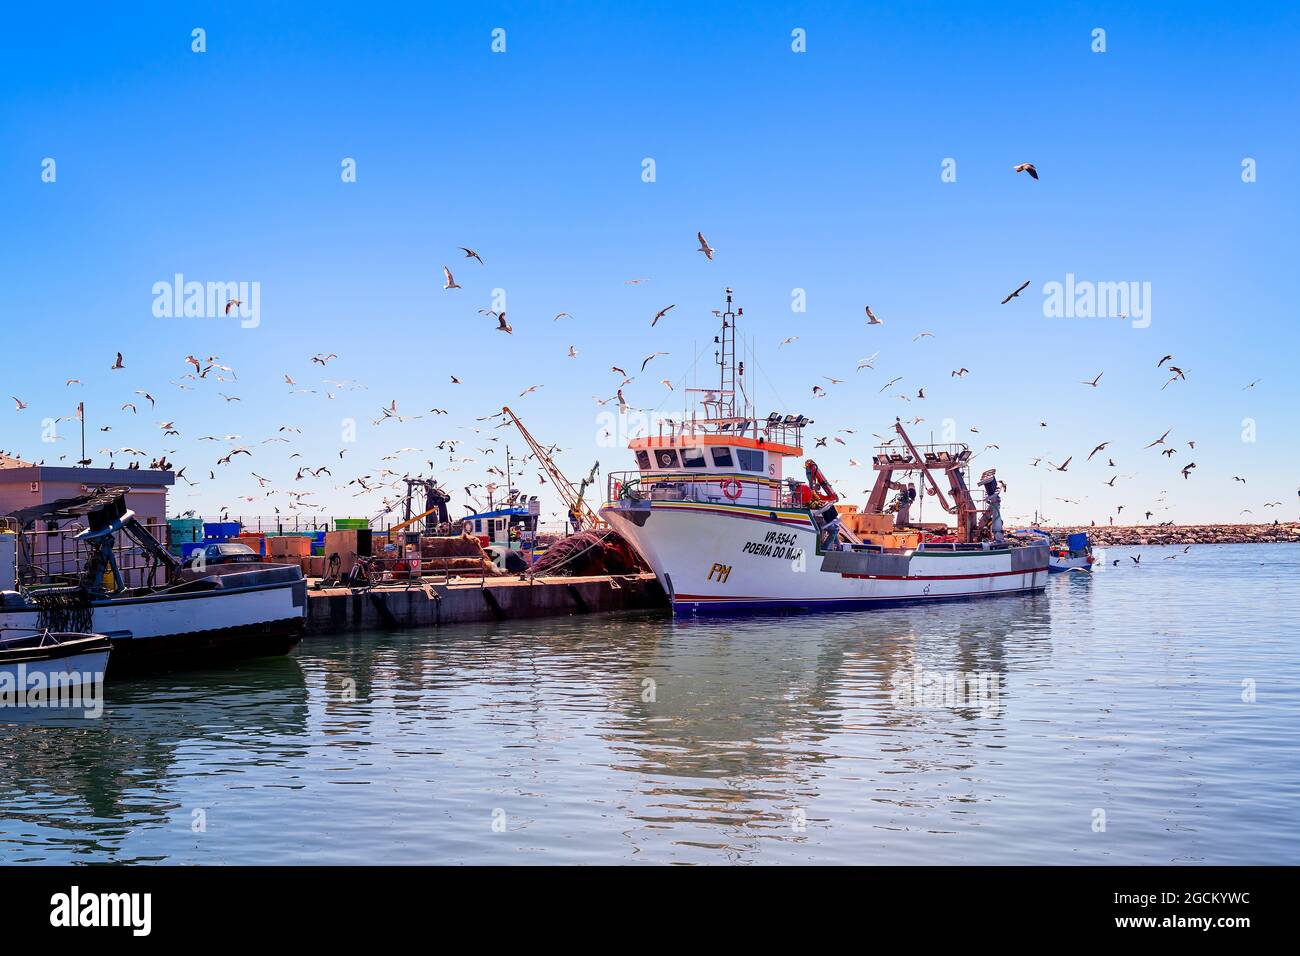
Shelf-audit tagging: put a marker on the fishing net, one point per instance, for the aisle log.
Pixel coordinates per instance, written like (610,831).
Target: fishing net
(63,610)
(589,552)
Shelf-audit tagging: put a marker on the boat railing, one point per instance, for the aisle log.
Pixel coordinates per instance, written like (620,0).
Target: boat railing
(937,456)
(953,546)
(57,556)
(775,428)
(630,485)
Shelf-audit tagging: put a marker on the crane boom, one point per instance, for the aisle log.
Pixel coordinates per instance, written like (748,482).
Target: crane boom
(411,520)
(587,518)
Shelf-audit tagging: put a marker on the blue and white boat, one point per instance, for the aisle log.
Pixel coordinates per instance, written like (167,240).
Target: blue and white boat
(1074,555)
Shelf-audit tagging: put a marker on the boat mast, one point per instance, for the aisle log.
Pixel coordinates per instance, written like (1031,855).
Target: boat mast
(726,359)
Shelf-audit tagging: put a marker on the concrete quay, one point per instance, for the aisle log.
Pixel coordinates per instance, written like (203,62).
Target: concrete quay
(466,600)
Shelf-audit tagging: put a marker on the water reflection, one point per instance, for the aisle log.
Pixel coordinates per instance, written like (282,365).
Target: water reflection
(81,785)
(745,718)
(643,738)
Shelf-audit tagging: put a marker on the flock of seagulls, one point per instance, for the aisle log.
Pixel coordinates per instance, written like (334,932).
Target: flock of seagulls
(310,482)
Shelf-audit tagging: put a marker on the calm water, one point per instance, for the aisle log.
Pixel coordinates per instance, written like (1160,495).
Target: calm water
(761,740)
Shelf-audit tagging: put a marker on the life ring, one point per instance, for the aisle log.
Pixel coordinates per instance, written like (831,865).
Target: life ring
(731,487)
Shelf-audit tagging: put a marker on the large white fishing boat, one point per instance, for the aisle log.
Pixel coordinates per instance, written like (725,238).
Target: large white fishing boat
(713,513)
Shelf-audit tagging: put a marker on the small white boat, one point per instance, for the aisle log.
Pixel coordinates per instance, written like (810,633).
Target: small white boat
(1074,555)
(45,661)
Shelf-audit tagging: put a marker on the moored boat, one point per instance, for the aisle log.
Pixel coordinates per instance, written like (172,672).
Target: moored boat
(42,661)
(508,534)
(1074,555)
(723,528)
(178,616)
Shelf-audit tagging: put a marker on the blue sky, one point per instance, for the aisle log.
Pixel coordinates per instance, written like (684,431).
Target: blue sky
(817,171)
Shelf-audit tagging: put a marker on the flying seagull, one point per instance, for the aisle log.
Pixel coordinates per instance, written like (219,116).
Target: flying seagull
(660,314)
(704,247)
(1017,292)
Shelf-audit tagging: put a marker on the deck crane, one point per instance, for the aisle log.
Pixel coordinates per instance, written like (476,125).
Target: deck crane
(587,519)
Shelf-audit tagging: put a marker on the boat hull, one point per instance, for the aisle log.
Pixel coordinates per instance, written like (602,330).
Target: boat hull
(729,559)
(169,631)
(61,661)
(1061,565)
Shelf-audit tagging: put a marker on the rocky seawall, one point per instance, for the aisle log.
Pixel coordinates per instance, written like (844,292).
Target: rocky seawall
(1118,535)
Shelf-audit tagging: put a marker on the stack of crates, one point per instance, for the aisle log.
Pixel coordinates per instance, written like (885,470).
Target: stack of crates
(215,532)
(254,539)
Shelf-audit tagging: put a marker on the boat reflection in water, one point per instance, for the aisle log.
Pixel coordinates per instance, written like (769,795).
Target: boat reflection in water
(79,790)
(749,722)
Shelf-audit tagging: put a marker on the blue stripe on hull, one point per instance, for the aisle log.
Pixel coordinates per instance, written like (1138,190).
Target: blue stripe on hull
(692,608)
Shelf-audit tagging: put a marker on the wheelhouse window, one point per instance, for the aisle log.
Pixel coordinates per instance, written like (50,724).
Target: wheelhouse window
(693,458)
(722,458)
(750,459)
(643,460)
(666,458)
